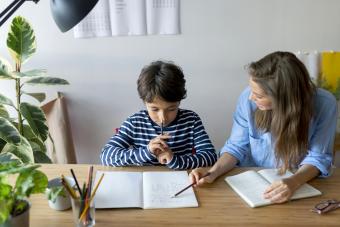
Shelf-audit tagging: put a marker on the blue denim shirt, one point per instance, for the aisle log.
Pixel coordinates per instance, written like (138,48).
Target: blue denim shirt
(252,147)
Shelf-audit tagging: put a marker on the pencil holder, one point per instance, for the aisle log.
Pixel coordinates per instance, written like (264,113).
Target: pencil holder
(83,212)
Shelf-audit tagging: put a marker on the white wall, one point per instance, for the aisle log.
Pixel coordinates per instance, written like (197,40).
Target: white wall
(219,37)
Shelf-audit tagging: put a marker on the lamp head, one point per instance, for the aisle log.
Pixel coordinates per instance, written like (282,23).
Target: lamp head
(68,13)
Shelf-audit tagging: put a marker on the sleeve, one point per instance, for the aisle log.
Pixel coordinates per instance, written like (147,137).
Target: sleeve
(204,155)
(238,143)
(320,151)
(119,151)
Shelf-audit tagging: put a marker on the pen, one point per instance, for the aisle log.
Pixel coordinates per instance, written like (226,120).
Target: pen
(162,128)
(207,174)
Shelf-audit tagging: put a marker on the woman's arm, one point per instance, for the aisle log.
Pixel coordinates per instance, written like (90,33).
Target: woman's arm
(225,163)
(281,191)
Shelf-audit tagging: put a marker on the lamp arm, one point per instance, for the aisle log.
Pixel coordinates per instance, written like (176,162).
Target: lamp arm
(11,8)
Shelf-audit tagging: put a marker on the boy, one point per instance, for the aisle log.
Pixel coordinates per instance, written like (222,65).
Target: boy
(142,140)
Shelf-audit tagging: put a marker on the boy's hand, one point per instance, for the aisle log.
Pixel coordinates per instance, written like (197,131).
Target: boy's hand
(165,156)
(158,145)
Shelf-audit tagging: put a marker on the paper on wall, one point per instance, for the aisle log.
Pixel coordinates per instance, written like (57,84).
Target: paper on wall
(130,17)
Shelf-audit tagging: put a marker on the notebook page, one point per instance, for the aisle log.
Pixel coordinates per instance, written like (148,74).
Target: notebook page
(119,189)
(159,187)
(250,186)
(303,192)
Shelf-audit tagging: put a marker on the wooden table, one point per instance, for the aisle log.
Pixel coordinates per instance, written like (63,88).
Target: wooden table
(219,205)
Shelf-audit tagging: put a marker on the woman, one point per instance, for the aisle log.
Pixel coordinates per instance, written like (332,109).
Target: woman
(281,121)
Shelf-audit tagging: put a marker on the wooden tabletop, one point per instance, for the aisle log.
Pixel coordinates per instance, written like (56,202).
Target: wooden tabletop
(219,205)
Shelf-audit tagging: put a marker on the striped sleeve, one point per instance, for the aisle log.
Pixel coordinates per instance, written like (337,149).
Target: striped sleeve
(204,155)
(119,151)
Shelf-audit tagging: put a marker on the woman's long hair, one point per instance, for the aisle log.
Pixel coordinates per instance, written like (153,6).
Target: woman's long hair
(285,79)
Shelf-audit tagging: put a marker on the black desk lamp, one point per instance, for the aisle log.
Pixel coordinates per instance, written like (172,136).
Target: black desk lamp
(66,13)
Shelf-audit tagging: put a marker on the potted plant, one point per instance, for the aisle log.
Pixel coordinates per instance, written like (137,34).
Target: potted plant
(58,198)
(23,137)
(14,209)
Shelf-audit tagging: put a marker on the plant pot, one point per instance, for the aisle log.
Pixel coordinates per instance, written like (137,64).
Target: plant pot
(62,202)
(21,220)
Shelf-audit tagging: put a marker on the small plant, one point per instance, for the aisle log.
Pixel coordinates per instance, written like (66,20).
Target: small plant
(14,197)
(54,192)
(23,136)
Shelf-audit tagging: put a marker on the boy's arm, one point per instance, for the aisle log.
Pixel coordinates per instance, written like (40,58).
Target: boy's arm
(120,152)
(204,155)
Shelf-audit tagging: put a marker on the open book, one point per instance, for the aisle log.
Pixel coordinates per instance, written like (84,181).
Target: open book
(250,185)
(148,190)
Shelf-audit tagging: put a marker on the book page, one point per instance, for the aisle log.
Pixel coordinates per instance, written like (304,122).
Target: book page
(250,186)
(119,189)
(159,187)
(303,192)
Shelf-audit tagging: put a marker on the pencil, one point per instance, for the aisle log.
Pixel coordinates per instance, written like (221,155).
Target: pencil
(162,125)
(75,179)
(92,196)
(207,174)
(68,188)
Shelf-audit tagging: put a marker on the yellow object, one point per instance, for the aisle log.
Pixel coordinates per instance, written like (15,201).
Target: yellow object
(330,68)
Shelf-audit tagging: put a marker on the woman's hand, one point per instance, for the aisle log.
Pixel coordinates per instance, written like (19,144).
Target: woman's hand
(196,177)
(158,145)
(281,191)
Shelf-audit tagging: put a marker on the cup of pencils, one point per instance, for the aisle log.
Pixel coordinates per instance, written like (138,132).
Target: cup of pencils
(82,199)
(81,216)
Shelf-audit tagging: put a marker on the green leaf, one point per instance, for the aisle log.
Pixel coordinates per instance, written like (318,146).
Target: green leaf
(5,101)
(3,112)
(37,144)
(5,69)
(54,192)
(2,144)
(30,183)
(36,119)
(31,73)
(8,132)
(38,96)
(41,157)
(15,167)
(8,157)
(21,40)
(6,206)
(5,190)
(47,81)
(23,150)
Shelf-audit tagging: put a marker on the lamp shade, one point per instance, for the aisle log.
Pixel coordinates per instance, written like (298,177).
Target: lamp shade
(68,13)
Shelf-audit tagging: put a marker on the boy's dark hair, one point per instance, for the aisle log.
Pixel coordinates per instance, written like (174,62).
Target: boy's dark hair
(161,79)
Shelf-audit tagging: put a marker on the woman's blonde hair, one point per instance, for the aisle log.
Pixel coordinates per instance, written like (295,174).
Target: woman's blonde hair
(285,79)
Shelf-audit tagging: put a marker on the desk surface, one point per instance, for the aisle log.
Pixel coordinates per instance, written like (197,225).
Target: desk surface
(219,205)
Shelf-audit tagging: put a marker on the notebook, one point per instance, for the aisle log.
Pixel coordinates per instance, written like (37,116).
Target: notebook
(250,186)
(147,190)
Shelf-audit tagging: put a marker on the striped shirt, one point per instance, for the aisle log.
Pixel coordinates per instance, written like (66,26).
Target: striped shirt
(189,142)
